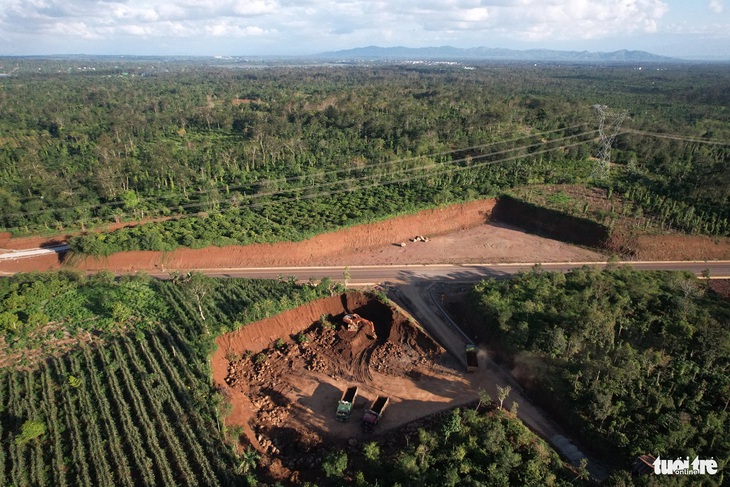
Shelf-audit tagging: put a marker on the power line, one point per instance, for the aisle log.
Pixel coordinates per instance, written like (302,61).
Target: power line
(383,183)
(681,138)
(336,171)
(412,178)
(322,173)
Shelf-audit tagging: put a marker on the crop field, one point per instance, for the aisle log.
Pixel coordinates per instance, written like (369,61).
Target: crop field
(130,408)
(121,414)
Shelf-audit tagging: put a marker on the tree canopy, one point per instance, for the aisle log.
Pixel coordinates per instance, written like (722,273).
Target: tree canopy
(636,362)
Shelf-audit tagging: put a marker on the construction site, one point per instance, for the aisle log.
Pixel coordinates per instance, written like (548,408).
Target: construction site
(288,378)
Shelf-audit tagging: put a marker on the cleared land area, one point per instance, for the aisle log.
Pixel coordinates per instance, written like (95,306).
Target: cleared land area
(457,234)
(463,233)
(285,395)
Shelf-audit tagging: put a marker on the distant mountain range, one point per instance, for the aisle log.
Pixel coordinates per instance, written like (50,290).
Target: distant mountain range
(447,53)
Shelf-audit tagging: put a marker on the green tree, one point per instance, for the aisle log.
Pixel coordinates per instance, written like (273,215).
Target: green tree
(484,397)
(502,393)
(249,460)
(334,464)
(346,275)
(31,430)
(452,424)
(371,450)
(198,286)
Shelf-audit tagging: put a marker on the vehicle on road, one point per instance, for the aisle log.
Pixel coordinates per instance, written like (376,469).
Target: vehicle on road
(472,363)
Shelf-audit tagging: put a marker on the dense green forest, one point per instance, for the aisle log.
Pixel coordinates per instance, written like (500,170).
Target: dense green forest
(463,447)
(89,141)
(130,402)
(635,362)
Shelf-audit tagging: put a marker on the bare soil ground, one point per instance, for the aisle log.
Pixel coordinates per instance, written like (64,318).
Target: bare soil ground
(458,234)
(285,397)
(682,247)
(492,243)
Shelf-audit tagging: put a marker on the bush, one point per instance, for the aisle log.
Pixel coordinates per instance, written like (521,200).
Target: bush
(334,464)
(30,430)
(325,322)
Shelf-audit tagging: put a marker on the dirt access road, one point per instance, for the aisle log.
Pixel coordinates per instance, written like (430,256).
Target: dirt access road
(420,298)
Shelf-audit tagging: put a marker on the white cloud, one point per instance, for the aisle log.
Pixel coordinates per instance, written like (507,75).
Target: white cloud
(317,25)
(581,19)
(106,19)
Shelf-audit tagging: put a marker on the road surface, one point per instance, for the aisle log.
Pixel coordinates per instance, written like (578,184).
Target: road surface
(364,275)
(8,254)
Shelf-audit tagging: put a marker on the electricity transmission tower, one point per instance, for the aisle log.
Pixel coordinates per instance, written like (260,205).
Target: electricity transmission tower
(609,123)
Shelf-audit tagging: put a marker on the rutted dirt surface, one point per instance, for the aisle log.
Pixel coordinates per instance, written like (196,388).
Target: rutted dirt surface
(286,396)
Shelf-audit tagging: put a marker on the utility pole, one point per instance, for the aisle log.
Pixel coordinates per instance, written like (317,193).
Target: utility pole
(609,123)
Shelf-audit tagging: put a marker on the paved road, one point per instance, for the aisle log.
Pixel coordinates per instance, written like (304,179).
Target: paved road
(7,254)
(362,275)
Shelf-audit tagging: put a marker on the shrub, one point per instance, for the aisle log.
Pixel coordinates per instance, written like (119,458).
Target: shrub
(30,430)
(334,464)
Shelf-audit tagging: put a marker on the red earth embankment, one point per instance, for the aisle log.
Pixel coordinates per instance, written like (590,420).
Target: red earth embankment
(318,250)
(257,336)
(628,242)
(550,223)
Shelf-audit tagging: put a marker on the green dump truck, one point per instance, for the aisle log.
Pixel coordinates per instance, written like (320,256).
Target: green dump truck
(344,407)
(472,363)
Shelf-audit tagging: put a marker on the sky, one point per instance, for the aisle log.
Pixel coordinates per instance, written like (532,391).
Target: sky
(698,29)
